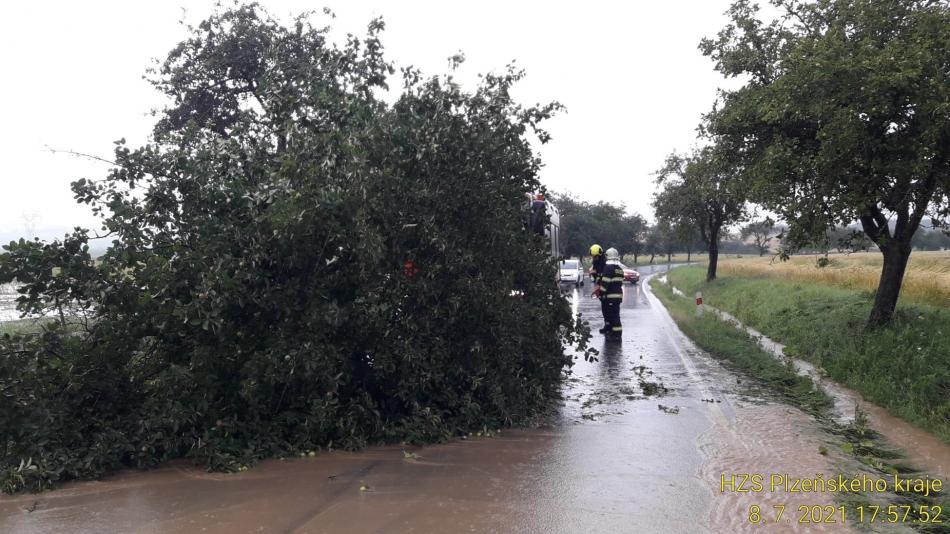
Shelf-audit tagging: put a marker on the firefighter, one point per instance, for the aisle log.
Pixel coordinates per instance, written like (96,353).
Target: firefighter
(612,294)
(537,219)
(598,263)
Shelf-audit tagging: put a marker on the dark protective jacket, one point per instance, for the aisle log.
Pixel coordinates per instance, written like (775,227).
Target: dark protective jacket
(598,264)
(611,282)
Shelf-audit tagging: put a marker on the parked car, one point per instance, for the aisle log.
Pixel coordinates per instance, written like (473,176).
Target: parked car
(630,275)
(571,271)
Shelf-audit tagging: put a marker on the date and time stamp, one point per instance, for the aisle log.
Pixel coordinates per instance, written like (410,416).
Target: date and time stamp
(804,514)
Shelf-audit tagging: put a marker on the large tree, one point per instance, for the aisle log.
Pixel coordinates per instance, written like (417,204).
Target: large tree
(608,229)
(295,264)
(633,235)
(667,237)
(844,115)
(703,190)
(688,237)
(760,233)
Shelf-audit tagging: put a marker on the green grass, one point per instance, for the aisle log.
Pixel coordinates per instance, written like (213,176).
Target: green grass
(904,367)
(741,353)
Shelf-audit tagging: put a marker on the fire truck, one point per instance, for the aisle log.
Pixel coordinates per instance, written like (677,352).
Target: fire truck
(544,219)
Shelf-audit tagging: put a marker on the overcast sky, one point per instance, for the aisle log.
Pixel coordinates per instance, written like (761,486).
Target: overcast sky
(629,72)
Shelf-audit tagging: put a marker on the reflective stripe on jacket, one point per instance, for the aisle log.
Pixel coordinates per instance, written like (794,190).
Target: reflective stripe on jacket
(612,280)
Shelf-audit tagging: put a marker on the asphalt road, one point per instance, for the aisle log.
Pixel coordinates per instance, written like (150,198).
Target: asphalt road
(641,444)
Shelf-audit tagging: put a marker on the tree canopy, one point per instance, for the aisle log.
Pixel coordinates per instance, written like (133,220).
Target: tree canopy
(703,190)
(844,116)
(584,223)
(294,264)
(761,233)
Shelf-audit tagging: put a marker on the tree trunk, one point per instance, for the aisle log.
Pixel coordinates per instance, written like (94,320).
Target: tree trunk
(889,287)
(713,258)
(62,316)
(635,256)
(689,253)
(651,258)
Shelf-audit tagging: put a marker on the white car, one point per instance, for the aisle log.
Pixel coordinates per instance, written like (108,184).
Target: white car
(572,272)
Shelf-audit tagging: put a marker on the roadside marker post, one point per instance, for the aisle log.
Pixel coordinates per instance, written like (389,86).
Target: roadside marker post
(699,304)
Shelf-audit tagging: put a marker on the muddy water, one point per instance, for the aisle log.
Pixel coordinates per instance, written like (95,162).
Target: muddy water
(767,440)
(922,449)
(760,437)
(643,438)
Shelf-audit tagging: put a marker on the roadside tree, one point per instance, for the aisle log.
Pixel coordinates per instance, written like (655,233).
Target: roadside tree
(633,235)
(583,224)
(760,233)
(844,116)
(702,190)
(577,225)
(687,238)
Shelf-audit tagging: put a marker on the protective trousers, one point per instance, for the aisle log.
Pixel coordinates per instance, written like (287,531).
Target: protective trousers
(612,281)
(612,317)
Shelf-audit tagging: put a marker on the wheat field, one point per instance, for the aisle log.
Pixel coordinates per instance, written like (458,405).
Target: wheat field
(926,281)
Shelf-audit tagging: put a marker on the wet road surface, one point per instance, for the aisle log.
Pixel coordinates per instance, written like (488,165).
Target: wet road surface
(643,438)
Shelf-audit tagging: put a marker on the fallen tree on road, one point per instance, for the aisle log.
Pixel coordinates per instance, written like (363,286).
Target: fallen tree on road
(295,265)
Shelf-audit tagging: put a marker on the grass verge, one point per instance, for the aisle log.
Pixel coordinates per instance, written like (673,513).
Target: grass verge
(904,367)
(740,352)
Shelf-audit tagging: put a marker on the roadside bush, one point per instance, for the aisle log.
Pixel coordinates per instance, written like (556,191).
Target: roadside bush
(295,264)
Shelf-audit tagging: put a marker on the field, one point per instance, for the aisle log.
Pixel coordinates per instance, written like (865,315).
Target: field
(927,280)
(22,326)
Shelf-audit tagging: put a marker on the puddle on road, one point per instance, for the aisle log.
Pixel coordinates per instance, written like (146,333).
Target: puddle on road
(759,435)
(470,485)
(766,439)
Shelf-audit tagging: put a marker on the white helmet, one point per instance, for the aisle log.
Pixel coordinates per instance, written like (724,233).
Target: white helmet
(612,254)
